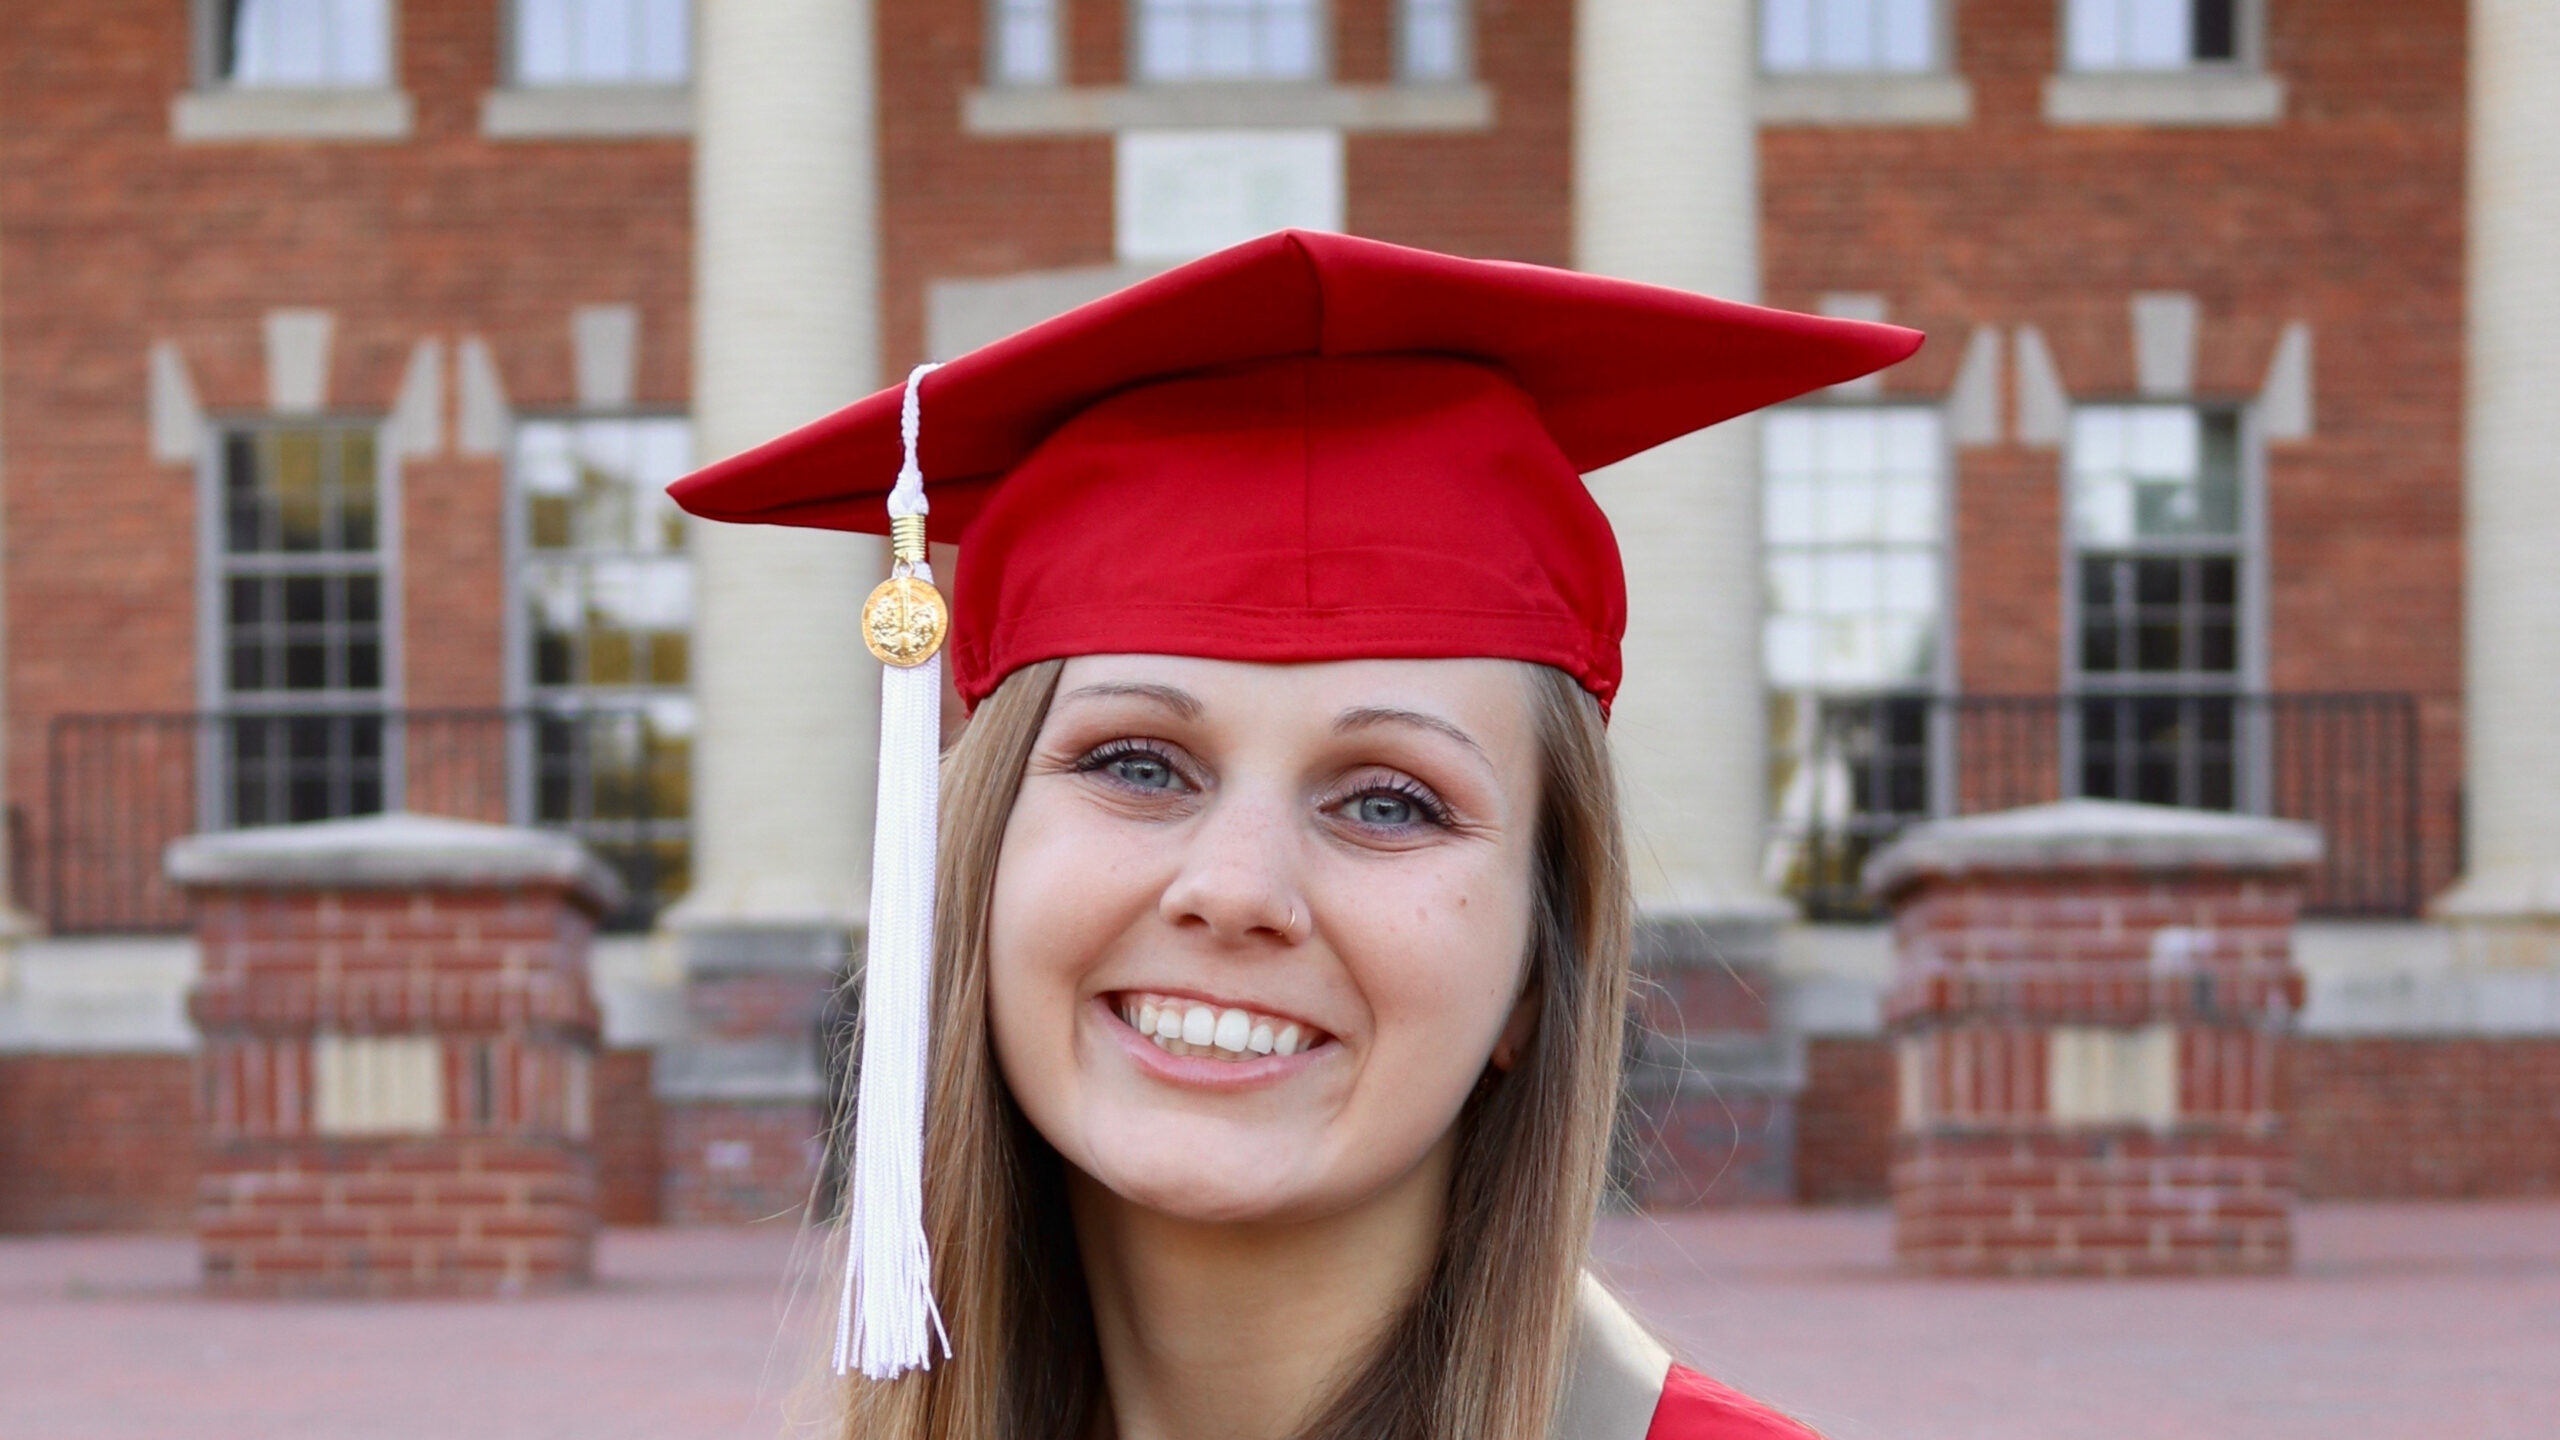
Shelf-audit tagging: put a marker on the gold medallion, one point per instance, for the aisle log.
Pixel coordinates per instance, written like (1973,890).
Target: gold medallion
(904,621)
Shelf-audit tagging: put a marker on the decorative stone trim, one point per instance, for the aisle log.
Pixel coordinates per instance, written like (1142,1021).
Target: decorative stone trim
(1103,110)
(399,851)
(2178,97)
(1864,99)
(281,113)
(2092,834)
(588,112)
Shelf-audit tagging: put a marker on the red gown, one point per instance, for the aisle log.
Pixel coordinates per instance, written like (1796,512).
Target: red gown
(1694,1407)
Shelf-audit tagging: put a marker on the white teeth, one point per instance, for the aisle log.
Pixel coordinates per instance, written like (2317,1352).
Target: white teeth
(1181,1027)
(1234,1027)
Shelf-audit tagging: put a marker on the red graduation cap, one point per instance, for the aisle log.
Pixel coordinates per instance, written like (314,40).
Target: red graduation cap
(1305,447)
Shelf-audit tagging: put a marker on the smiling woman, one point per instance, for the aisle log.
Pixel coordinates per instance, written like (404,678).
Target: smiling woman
(1279,947)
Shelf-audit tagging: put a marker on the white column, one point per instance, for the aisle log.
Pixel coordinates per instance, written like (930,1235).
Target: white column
(1666,189)
(786,281)
(2509,903)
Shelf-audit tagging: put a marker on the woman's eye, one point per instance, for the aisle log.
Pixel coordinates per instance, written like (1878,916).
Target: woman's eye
(1140,770)
(1383,809)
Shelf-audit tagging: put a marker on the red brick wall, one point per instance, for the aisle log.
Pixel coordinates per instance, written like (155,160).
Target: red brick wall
(628,1165)
(2347,214)
(1844,1120)
(96,1142)
(2370,1118)
(112,236)
(957,206)
(2425,1116)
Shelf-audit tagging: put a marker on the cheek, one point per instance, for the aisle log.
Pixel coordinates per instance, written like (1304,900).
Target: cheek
(1060,901)
(1441,966)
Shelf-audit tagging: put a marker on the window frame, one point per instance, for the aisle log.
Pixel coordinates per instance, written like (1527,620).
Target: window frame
(1320,72)
(2251,741)
(1942,51)
(215,571)
(523,694)
(1812,702)
(205,67)
(510,53)
(2248,44)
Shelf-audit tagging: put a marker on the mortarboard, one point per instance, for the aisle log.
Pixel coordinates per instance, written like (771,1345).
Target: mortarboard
(1306,447)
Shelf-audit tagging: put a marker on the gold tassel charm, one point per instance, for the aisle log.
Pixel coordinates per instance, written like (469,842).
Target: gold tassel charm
(905,619)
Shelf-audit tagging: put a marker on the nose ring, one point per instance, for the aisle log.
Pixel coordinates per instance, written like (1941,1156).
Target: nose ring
(1292,931)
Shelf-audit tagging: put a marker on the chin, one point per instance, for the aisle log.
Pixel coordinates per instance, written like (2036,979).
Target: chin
(1228,1180)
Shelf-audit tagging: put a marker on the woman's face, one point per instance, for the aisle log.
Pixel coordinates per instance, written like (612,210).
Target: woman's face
(1259,929)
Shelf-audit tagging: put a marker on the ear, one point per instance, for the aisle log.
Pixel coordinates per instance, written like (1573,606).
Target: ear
(1515,1033)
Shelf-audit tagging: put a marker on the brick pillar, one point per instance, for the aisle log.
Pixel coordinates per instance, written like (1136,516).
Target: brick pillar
(396,1076)
(2087,1005)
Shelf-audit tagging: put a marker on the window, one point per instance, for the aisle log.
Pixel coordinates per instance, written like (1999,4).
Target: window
(1023,42)
(1431,40)
(1229,40)
(2157,570)
(303,639)
(1853,552)
(1801,36)
(2150,34)
(603,42)
(605,603)
(343,44)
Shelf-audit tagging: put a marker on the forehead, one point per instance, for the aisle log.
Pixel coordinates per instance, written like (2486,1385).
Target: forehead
(1488,699)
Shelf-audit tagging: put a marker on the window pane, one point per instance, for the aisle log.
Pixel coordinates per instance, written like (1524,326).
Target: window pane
(1845,34)
(2153,472)
(1026,37)
(1228,40)
(1786,35)
(666,41)
(543,39)
(1903,41)
(2217,30)
(2157,34)
(305,42)
(1433,43)
(2094,34)
(603,42)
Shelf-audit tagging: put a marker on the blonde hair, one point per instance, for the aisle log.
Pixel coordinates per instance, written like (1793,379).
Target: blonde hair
(1480,1353)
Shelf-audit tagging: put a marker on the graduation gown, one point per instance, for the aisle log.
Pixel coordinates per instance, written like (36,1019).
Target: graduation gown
(1624,1387)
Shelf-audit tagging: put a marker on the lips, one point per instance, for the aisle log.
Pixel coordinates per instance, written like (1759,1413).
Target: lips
(1180,1025)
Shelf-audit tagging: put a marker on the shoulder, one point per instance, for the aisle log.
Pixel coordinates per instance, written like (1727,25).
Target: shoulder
(1694,1407)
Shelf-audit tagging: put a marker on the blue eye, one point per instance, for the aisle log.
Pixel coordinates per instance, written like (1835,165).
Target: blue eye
(1380,808)
(1146,772)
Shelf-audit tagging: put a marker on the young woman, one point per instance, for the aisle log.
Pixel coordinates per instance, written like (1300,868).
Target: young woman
(1281,956)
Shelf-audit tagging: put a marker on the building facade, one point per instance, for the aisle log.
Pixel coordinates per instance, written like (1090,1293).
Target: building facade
(345,346)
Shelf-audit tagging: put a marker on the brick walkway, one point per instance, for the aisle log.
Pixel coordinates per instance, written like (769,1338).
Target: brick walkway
(2410,1321)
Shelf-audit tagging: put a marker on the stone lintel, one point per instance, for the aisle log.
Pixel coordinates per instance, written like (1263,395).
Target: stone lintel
(2077,835)
(1736,936)
(391,852)
(730,949)
(729,1071)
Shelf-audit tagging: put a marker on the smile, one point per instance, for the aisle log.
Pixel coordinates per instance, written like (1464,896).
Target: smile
(1185,1027)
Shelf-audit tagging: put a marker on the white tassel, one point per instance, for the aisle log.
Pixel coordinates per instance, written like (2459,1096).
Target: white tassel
(886,1321)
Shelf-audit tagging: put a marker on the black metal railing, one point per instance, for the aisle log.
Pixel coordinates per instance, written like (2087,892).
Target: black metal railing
(2349,763)
(120,788)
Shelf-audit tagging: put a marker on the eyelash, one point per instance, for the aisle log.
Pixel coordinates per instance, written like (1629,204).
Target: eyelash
(1433,811)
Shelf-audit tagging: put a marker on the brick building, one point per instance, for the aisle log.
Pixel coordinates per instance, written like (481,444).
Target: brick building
(344,345)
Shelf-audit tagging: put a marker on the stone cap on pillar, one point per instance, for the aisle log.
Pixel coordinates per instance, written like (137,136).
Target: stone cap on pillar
(2080,835)
(394,852)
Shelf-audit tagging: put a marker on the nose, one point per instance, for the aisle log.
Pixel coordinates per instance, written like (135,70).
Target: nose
(1239,881)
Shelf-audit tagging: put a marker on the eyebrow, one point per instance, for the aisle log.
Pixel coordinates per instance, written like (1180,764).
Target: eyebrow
(1369,715)
(1180,702)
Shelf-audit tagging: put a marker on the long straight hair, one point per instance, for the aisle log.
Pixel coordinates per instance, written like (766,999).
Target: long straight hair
(1481,1350)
